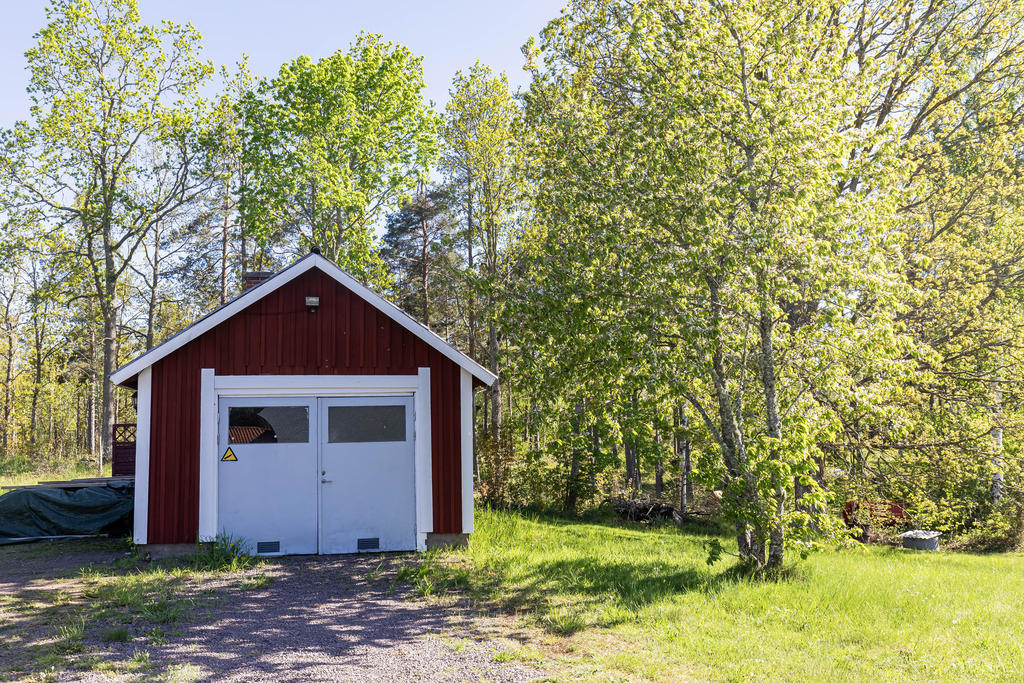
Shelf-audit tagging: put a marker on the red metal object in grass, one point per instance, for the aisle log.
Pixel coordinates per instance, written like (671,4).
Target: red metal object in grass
(876,513)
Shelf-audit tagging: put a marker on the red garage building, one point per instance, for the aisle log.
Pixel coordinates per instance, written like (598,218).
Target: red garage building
(307,415)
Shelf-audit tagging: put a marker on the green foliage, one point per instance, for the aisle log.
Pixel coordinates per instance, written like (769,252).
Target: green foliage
(728,215)
(722,273)
(166,611)
(482,159)
(257,582)
(417,247)
(329,145)
(22,474)
(15,466)
(432,576)
(999,531)
(110,151)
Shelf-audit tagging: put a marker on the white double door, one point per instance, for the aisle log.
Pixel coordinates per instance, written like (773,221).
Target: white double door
(305,475)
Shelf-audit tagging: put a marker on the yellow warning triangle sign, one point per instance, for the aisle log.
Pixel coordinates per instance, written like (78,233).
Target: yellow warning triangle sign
(229,456)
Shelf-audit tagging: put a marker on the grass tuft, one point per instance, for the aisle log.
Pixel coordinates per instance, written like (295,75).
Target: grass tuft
(256,582)
(156,636)
(117,635)
(223,554)
(69,634)
(167,611)
(435,573)
(564,620)
(183,673)
(25,471)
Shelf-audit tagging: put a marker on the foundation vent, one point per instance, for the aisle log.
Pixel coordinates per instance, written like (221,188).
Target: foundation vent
(368,544)
(268,547)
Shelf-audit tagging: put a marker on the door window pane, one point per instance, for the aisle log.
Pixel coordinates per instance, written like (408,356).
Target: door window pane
(269,424)
(348,424)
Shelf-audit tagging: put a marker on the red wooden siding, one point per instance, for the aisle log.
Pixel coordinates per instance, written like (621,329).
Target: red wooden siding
(278,336)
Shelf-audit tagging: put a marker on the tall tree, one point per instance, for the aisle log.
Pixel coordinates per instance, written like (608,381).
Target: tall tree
(947,78)
(115,104)
(229,170)
(413,246)
(11,303)
(482,158)
(689,159)
(42,280)
(332,144)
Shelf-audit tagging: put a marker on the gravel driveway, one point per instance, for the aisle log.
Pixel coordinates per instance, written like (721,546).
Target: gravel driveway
(319,618)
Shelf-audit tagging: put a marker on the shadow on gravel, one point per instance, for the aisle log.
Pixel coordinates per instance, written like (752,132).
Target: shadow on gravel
(339,607)
(92,609)
(84,606)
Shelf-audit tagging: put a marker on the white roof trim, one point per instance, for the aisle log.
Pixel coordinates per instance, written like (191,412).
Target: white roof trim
(254,294)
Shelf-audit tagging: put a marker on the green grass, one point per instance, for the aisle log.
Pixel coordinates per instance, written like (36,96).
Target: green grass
(68,635)
(128,599)
(256,582)
(11,475)
(117,635)
(625,601)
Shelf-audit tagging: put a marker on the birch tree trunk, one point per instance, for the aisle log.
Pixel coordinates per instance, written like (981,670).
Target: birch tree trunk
(572,481)
(682,448)
(224,241)
(495,390)
(93,382)
(776,534)
(471,290)
(997,487)
(425,256)
(11,327)
(154,290)
(749,535)
(38,313)
(659,470)
(108,309)
(5,410)
(243,250)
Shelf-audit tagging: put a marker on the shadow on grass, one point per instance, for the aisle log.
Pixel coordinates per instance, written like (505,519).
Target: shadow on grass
(691,525)
(630,586)
(585,583)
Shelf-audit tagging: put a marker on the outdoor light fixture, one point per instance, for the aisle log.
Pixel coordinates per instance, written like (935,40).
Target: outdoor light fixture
(312,303)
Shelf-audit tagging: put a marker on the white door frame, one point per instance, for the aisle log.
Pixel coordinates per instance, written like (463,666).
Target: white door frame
(143,417)
(213,387)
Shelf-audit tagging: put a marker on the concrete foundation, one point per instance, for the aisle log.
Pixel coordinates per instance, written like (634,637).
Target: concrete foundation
(158,551)
(446,540)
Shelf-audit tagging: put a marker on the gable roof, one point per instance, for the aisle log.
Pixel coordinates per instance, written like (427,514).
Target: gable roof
(254,294)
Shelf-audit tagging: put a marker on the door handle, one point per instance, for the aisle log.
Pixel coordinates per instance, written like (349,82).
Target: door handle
(325,481)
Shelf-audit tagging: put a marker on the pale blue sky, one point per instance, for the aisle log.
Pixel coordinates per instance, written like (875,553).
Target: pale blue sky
(448,34)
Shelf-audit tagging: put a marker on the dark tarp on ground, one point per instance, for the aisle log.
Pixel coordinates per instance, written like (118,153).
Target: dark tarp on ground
(28,514)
